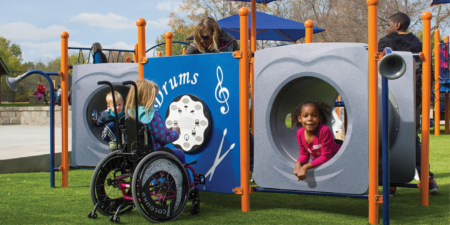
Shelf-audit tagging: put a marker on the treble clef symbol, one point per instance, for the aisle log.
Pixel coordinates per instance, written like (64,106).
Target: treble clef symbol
(221,93)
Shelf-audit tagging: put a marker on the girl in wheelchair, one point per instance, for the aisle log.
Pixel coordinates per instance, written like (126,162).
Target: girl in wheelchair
(141,172)
(148,115)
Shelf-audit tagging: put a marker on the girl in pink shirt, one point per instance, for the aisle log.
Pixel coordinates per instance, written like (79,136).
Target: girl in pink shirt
(315,139)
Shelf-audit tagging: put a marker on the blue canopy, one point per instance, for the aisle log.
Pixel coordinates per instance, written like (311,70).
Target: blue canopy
(268,27)
(436,2)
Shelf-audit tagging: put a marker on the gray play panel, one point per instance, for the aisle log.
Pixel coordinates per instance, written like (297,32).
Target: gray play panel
(286,76)
(88,148)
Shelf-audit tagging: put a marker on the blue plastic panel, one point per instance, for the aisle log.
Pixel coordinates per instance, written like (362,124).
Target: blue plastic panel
(214,78)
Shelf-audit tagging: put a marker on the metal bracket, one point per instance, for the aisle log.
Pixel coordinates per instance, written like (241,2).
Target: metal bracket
(421,56)
(239,190)
(237,54)
(143,60)
(379,199)
(378,56)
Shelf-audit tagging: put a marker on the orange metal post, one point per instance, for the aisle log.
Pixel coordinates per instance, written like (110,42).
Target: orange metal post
(169,37)
(252,63)
(243,111)
(338,109)
(141,46)
(373,110)
(447,107)
(159,54)
(426,90)
(64,108)
(437,91)
(184,51)
(136,54)
(309,25)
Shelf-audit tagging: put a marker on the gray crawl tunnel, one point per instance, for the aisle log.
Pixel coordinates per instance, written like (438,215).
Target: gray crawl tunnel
(288,75)
(88,148)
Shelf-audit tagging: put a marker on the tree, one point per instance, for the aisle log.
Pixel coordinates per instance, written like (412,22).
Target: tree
(181,30)
(11,55)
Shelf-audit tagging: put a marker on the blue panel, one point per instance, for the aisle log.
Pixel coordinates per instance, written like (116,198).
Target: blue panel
(214,78)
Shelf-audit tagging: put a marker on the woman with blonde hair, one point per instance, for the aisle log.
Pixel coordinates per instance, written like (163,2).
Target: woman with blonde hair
(209,38)
(97,54)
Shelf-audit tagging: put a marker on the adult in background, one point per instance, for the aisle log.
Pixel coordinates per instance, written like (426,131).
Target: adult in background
(41,92)
(209,38)
(97,54)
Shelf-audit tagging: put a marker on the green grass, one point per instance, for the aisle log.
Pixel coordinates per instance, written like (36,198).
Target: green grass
(23,104)
(26,198)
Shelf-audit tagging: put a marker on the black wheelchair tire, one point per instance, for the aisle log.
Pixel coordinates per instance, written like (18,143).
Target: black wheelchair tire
(137,187)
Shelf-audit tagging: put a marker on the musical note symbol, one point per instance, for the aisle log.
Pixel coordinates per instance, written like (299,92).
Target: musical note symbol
(221,93)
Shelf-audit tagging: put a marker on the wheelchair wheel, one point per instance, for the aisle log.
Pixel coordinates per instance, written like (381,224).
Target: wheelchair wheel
(160,187)
(104,186)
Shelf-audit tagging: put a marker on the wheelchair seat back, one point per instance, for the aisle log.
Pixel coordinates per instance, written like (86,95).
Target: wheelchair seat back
(138,140)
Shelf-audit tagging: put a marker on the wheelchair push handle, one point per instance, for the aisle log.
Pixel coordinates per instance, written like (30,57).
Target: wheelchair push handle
(119,134)
(130,82)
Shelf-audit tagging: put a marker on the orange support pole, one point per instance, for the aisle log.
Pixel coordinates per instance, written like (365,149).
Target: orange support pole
(309,25)
(64,108)
(373,110)
(252,63)
(437,91)
(135,56)
(169,37)
(243,110)
(338,109)
(447,106)
(159,54)
(184,51)
(426,90)
(141,46)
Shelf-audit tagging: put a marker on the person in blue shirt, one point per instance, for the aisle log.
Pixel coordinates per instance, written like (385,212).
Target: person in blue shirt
(97,54)
(106,119)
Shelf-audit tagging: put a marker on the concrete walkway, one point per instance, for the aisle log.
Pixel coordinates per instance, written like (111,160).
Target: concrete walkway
(25,148)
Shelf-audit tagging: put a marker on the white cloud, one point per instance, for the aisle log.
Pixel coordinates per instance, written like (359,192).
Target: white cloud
(48,50)
(119,45)
(21,31)
(114,21)
(160,23)
(169,6)
(110,20)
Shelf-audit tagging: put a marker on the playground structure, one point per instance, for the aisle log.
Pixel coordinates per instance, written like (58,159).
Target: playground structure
(242,134)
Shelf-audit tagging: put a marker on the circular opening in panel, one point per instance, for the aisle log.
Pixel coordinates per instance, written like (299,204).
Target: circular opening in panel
(282,122)
(97,104)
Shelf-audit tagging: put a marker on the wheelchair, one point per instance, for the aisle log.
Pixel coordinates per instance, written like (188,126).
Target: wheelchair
(135,175)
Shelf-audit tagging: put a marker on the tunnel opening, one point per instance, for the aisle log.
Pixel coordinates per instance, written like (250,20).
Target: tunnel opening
(98,103)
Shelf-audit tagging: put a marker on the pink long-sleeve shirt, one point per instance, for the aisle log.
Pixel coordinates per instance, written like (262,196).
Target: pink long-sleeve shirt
(321,149)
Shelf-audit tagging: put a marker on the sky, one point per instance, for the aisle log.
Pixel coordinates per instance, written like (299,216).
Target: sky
(37,25)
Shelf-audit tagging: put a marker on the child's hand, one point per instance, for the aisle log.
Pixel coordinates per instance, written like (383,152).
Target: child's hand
(301,174)
(175,128)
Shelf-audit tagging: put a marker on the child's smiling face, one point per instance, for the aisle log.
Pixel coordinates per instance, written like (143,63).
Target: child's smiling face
(309,117)
(119,105)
